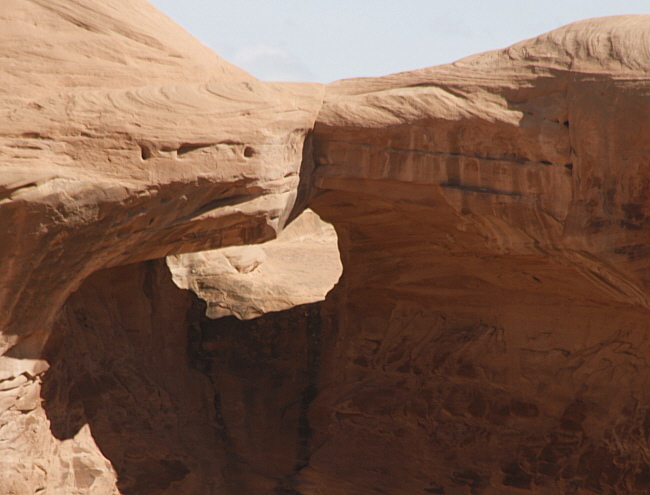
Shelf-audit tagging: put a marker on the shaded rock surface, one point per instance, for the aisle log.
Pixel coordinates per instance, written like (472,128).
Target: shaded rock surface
(488,336)
(492,218)
(177,402)
(122,370)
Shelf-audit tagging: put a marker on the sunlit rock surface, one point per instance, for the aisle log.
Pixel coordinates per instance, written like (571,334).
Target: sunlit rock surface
(298,267)
(488,335)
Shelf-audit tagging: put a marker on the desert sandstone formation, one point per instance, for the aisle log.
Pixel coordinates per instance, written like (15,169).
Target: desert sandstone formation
(123,140)
(488,335)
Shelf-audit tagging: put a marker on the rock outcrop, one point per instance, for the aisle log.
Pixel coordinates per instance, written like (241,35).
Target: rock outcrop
(123,140)
(488,335)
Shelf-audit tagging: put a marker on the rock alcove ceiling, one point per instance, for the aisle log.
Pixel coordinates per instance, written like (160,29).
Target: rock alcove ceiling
(488,334)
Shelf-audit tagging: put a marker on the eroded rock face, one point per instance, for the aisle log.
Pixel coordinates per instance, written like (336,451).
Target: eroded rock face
(122,395)
(147,395)
(492,216)
(488,335)
(122,139)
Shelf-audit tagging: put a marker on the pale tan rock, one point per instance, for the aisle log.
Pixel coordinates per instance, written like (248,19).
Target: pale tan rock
(299,267)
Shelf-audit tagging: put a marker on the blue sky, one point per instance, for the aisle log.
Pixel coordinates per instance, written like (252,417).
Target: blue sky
(326,40)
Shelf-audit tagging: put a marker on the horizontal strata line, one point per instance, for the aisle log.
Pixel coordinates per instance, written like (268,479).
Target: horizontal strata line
(507,159)
(321,174)
(483,190)
(325,183)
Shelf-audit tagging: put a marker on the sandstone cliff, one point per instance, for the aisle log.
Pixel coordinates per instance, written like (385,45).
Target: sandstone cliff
(492,217)
(488,335)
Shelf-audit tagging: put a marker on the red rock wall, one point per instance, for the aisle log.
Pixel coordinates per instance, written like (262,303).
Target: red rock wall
(175,402)
(493,219)
(478,375)
(389,389)
(121,364)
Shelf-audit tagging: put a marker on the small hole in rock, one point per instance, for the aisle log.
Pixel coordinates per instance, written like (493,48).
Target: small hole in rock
(249,151)
(145,152)
(569,166)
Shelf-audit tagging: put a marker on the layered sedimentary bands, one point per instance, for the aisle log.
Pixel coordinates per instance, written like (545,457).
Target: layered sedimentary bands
(489,334)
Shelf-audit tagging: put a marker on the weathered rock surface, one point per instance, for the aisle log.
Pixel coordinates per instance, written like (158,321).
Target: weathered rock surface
(493,221)
(488,336)
(122,139)
(122,389)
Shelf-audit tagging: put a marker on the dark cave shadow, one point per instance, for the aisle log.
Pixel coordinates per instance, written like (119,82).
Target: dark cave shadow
(122,367)
(136,359)
(305,185)
(128,358)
